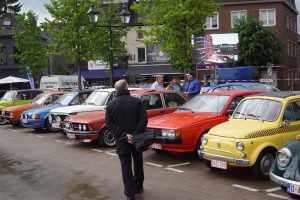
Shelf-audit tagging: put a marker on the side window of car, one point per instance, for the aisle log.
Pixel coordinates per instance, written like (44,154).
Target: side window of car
(234,103)
(55,97)
(151,101)
(111,97)
(22,96)
(289,113)
(76,101)
(83,97)
(220,89)
(237,87)
(173,99)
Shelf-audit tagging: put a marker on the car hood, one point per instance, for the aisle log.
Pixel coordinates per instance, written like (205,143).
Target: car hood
(77,109)
(42,109)
(245,129)
(87,117)
(179,120)
(21,107)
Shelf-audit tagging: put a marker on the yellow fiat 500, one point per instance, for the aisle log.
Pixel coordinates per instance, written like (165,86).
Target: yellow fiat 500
(258,128)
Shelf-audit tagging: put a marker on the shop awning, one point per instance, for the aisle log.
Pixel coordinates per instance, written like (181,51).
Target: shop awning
(101,74)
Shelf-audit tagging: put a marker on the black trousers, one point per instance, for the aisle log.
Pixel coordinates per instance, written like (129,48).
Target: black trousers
(132,181)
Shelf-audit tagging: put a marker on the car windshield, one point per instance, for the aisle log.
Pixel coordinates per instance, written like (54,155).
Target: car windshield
(66,99)
(40,99)
(262,87)
(206,103)
(8,96)
(97,98)
(258,109)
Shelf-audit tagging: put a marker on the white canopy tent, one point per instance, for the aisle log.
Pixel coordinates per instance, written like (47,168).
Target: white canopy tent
(10,80)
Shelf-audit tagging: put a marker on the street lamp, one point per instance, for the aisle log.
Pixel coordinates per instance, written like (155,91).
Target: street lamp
(125,14)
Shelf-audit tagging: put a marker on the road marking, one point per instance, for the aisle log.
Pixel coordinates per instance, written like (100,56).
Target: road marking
(153,164)
(111,153)
(58,141)
(180,164)
(69,143)
(97,150)
(13,130)
(279,196)
(175,170)
(39,136)
(273,189)
(245,188)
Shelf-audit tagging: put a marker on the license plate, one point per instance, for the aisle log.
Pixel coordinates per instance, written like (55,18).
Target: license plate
(294,189)
(25,121)
(71,136)
(55,125)
(156,146)
(218,164)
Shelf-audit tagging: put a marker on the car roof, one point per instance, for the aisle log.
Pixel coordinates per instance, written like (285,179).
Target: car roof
(233,92)
(144,91)
(237,83)
(28,90)
(113,89)
(280,94)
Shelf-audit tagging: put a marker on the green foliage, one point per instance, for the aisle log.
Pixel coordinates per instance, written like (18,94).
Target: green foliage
(31,50)
(10,6)
(258,45)
(75,37)
(172,25)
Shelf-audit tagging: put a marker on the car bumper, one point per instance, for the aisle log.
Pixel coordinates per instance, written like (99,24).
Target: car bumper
(34,123)
(281,181)
(82,136)
(230,160)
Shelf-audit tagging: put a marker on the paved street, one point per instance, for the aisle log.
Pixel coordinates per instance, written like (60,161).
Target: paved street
(44,166)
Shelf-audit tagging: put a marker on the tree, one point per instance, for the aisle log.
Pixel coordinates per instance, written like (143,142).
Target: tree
(258,44)
(75,37)
(31,51)
(10,6)
(173,24)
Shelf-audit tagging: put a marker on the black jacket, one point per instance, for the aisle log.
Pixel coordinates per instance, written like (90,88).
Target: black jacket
(125,115)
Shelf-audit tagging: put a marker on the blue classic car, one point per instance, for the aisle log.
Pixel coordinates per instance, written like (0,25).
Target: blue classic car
(38,118)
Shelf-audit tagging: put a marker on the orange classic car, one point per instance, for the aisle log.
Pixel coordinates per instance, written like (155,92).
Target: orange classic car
(181,131)
(90,126)
(13,114)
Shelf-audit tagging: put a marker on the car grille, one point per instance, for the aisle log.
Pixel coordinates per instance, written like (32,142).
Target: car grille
(6,113)
(25,116)
(54,118)
(76,127)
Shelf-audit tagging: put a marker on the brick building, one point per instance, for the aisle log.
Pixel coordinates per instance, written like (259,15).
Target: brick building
(281,15)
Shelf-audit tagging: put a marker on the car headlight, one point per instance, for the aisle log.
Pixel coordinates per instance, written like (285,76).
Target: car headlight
(11,114)
(35,116)
(170,133)
(84,127)
(80,127)
(50,118)
(204,140)
(284,157)
(240,146)
(67,125)
(58,119)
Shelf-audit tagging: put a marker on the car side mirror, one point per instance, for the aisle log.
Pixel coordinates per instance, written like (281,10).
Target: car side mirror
(228,113)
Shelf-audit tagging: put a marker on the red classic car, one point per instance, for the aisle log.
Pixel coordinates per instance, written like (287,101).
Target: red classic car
(90,126)
(182,130)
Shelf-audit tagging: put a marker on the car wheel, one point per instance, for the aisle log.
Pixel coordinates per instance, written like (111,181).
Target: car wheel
(3,121)
(106,138)
(263,164)
(49,127)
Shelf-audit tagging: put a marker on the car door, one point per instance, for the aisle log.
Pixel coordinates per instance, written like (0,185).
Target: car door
(153,104)
(291,122)
(172,101)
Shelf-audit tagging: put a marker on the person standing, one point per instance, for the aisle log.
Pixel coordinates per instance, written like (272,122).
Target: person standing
(192,86)
(124,128)
(158,84)
(175,85)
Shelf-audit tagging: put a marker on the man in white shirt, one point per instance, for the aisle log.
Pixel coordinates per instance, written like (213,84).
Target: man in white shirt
(158,84)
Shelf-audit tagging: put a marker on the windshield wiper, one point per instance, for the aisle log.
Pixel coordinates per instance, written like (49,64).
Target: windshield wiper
(241,114)
(257,117)
(188,109)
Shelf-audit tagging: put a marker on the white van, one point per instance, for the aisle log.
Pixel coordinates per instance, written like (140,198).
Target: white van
(56,82)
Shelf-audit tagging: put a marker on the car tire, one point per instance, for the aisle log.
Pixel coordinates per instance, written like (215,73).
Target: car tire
(49,127)
(106,138)
(263,164)
(3,121)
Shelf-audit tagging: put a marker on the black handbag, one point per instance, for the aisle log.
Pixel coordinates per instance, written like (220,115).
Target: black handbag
(143,141)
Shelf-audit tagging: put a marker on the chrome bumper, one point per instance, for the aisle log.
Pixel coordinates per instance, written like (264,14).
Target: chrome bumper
(236,161)
(81,133)
(282,181)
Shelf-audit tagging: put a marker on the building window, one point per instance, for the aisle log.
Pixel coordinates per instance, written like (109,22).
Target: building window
(236,15)
(212,22)
(288,22)
(268,17)
(7,22)
(141,54)
(288,48)
(295,25)
(3,59)
(139,35)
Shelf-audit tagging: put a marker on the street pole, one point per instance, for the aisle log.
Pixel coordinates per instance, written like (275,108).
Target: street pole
(111,62)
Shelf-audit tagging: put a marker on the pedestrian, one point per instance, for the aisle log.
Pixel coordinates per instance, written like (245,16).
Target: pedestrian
(175,84)
(192,86)
(124,128)
(158,84)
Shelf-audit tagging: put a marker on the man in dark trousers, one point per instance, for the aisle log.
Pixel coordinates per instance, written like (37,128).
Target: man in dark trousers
(125,118)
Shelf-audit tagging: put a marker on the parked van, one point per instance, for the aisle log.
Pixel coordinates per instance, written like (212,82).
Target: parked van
(56,82)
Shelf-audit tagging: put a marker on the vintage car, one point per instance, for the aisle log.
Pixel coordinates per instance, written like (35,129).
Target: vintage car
(182,130)
(259,127)
(95,102)
(38,118)
(90,126)
(13,113)
(285,170)
(242,86)
(16,97)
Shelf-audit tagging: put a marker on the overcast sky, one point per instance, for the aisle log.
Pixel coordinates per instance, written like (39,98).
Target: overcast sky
(38,7)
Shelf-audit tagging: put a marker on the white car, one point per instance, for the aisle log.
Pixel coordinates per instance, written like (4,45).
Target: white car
(95,102)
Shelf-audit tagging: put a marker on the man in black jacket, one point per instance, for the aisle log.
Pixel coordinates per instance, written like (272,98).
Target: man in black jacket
(125,118)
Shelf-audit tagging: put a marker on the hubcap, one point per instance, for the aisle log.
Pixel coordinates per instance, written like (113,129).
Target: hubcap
(109,139)
(266,163)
